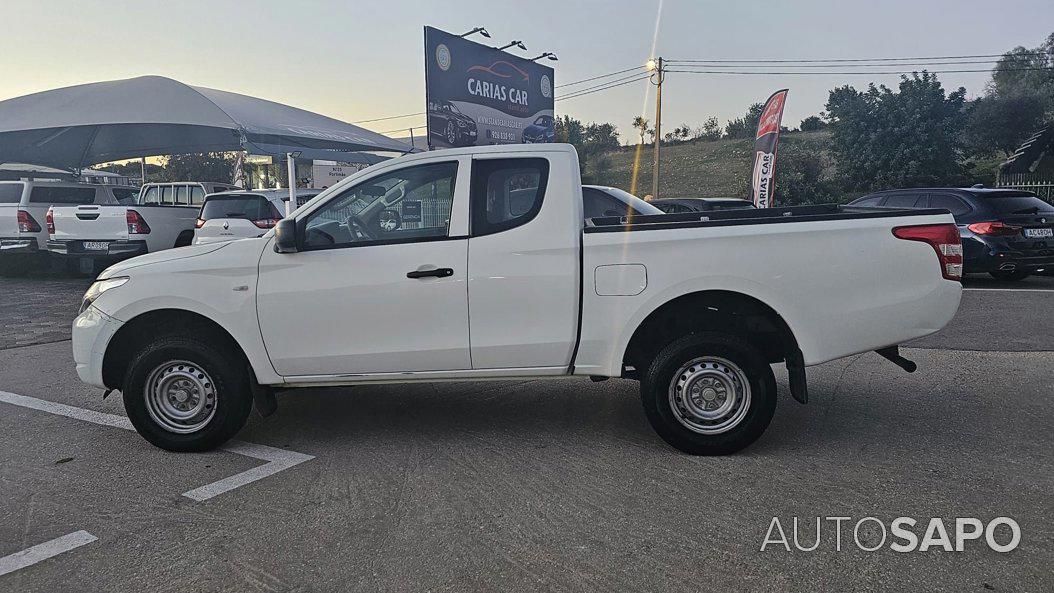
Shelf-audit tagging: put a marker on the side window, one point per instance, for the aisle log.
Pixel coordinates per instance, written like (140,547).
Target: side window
(10,193)
(506,193)
(167,192)
(183,195)
(410,204)
(152,195)
(197,195)
(43,194)
(867,202)
(901,201)
(950,203)
(596,203)
(124,196)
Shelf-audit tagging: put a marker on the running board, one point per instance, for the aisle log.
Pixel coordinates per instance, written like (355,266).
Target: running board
(892,354)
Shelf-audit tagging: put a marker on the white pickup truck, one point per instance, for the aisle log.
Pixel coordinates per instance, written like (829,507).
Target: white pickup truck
(489,272)
(162,217)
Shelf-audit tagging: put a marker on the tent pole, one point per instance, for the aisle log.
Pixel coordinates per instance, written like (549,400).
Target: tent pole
(291,170)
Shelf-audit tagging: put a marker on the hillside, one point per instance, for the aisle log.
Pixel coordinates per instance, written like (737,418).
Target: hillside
(719,168)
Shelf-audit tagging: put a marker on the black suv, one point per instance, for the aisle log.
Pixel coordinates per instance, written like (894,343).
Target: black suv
(1007,233)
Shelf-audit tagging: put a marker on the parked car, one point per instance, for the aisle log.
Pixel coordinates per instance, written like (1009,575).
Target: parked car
(507,282)
(446,121)
(23,211)
(599,200)
(681,205)
(1007,233)
(542,130)
(242,214)
(162,217)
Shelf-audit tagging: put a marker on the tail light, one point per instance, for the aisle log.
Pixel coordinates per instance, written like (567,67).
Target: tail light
(199,223)
(136,224)
(26,224)
(49,221)
(994,229)
(266,223)
(945,240)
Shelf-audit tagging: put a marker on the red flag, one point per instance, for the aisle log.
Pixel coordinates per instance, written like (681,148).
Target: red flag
(765,149)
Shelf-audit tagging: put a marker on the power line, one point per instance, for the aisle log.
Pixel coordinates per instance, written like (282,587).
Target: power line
(589,88)
(846,60)
(598,77)
(857,72)
(602,88)
(879,65)
(366,121)
(403,129)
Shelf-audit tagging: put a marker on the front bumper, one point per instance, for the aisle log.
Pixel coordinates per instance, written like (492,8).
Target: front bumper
(114,249)
(18,245)
(92,331)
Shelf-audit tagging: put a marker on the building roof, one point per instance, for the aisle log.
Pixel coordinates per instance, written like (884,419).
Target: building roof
(1027,156)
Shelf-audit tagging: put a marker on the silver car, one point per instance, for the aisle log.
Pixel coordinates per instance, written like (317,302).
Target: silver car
(243,214)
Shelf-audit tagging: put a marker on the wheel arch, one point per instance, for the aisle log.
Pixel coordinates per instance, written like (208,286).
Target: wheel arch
(726,311)
(146,326)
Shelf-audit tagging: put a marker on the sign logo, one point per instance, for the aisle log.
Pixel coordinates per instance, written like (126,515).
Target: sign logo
(547,86)
(443,57)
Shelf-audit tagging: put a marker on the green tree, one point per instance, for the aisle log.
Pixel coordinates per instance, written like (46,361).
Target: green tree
(710,130)
(207,166)
(913,137)
(746,126)
(571,131)
(812,123)
(1027,71)
(1001,122)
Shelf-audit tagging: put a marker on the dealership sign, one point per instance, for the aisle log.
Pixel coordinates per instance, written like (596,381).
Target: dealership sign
(479,95)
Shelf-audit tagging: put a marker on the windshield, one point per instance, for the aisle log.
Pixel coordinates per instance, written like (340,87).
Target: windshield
(453,108)
(544,120)
(249,207)
(1017,203)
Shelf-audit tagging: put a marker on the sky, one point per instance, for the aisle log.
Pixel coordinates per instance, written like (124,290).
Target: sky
(357,60)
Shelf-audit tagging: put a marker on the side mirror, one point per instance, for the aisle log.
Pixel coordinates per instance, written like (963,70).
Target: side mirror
(285,236)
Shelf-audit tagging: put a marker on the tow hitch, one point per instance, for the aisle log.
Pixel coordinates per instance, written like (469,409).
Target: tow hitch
(892,354)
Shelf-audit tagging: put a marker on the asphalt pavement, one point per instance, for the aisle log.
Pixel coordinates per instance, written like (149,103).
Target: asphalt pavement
(535,485)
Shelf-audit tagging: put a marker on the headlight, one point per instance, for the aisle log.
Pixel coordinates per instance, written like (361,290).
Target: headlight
(98,287)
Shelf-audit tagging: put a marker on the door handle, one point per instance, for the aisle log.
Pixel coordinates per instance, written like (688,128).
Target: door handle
(436,273)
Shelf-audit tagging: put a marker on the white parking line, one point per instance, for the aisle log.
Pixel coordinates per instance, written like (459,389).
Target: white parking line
(1011,289)
(41,552)
(277,459)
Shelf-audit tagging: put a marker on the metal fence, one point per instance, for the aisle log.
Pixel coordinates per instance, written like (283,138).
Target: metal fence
(1044,188)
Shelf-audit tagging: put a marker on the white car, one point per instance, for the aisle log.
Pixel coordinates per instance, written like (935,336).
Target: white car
(476,263)
(243,214)
(23,216)
(162,217)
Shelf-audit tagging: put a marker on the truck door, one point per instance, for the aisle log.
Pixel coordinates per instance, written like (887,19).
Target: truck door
(523,261)
(378,285)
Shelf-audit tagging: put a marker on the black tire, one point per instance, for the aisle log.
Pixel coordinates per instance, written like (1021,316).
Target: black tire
(712,348)
(1010,276)
(230,392)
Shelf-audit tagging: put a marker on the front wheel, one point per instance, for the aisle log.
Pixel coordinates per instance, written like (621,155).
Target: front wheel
(709,394)
(182,394)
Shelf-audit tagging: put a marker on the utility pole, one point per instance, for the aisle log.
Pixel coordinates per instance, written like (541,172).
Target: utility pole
(658,74)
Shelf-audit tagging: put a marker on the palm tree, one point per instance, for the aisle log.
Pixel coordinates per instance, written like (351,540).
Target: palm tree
(642,125)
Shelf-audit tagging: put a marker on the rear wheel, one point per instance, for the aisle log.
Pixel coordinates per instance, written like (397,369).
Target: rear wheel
(1012,276)
(709,394)
(182,394)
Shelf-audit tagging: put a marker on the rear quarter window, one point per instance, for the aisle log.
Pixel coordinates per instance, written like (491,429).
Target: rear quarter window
(62,195)
(11,193)
(1009,203)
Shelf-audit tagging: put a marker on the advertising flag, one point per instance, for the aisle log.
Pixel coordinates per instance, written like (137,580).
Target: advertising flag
(765,149)
(479,95)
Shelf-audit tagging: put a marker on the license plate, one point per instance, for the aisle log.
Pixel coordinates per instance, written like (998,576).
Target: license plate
(95,245)
(1039,233)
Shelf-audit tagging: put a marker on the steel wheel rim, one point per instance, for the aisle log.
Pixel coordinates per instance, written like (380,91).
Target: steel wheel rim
(709,395)
(180,397)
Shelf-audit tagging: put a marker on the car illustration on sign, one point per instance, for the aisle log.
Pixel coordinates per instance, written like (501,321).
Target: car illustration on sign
(446,121)
(542,130)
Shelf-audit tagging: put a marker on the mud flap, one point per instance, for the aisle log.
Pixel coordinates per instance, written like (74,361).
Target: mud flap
(796,374)
(263,396)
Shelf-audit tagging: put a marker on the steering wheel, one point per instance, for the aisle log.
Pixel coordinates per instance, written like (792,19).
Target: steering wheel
(358,229)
